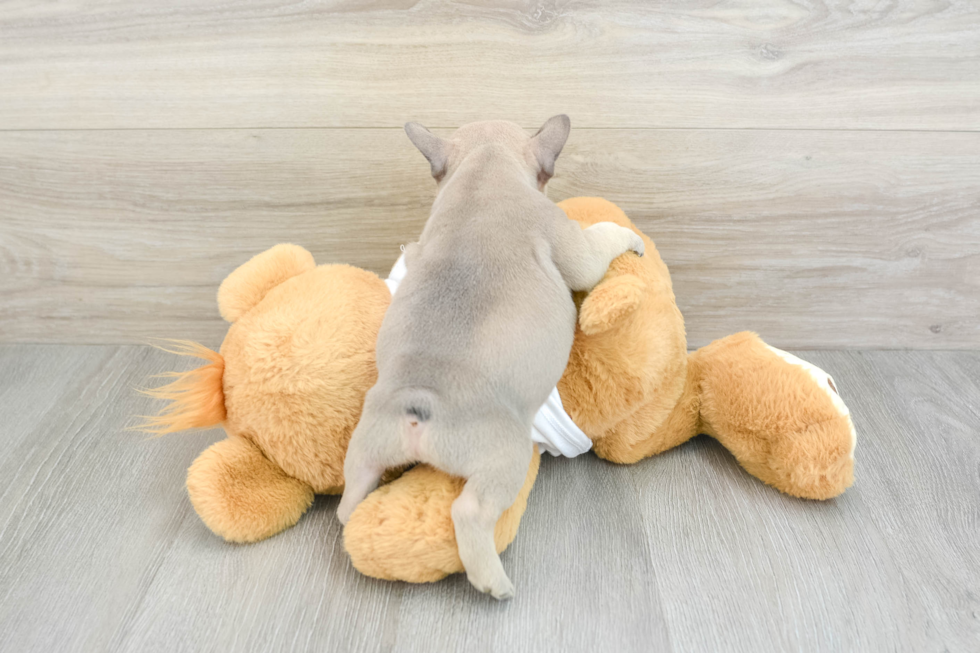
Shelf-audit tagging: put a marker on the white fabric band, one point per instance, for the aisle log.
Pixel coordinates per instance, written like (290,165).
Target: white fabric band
(553,430)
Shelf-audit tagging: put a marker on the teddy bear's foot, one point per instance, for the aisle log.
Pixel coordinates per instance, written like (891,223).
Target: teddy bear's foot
(404,530)
(241,495)
(780,416)
(815,463)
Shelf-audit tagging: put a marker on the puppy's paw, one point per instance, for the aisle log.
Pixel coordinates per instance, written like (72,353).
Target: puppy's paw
(505,592)
(636,243)
(343,515)
(345,509)
(499,588)
(618,238)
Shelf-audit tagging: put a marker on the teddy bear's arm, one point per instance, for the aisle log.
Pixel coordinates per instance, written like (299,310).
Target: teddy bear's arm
(615,298)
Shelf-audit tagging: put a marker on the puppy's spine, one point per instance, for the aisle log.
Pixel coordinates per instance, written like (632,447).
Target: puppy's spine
(197,397)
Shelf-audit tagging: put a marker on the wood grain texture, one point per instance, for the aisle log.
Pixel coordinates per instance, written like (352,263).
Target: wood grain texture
(811,238)
(908,64)
(101,550)
(880,568)
(79,540)
(586,579)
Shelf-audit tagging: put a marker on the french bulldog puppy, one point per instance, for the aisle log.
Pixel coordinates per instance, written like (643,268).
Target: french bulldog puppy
(480,329)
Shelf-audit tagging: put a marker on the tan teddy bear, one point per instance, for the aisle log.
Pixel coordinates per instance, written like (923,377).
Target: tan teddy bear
(298,358)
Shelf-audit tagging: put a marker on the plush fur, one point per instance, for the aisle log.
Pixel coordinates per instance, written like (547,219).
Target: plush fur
(415,511)
(243,496)
(197,398)
(299,358)
(287,386)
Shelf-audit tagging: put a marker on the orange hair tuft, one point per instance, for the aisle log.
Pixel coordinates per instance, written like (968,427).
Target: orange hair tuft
(197,398)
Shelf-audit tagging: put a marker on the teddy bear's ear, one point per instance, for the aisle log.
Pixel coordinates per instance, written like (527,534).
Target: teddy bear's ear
(547,144)
(435,149)
(609,303)
(249,283)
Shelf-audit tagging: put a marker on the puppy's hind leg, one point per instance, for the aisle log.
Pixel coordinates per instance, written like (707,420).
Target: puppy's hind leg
(490,489)
(374,447)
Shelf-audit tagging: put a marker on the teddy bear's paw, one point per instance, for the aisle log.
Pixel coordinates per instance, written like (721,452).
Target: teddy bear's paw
(243,496)
(815,463)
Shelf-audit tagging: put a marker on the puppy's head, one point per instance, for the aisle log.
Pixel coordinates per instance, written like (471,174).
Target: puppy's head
(536,153)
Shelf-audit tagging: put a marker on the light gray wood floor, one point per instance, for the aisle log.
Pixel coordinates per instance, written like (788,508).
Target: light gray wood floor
(100,549)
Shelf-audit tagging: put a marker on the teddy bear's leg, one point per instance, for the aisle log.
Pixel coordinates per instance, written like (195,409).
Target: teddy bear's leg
(404,530)
(241,495)
(674,411)
(781,417)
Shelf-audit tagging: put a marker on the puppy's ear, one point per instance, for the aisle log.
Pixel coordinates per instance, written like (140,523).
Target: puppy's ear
(435,149)
(547,143)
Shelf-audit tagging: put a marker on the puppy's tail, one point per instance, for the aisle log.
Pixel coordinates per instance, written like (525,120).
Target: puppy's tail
(418,403)
(197,397)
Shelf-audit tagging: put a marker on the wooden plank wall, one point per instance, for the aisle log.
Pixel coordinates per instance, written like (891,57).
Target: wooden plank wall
(810,171)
